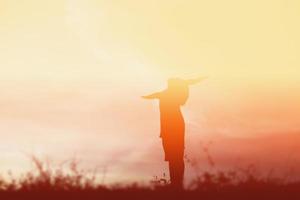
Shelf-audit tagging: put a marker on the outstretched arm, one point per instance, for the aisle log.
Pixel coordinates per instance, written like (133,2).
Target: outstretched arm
(152,96)
(196,80)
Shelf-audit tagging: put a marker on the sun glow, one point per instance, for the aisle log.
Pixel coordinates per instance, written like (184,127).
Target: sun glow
(75,69)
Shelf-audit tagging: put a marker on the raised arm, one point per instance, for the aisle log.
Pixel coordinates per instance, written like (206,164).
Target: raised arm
(196,80)
(155,95)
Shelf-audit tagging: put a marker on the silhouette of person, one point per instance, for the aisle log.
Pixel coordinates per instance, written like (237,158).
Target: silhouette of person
(172,125)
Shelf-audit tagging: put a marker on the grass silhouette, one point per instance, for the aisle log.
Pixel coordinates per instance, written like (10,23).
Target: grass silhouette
(47,182)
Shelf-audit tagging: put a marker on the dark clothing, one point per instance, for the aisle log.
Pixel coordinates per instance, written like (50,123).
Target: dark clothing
(176,169)
(172,128)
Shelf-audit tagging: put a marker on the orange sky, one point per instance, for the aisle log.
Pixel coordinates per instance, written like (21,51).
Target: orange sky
(73,71)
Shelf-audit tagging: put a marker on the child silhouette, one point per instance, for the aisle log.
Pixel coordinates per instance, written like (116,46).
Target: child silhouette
(172,125)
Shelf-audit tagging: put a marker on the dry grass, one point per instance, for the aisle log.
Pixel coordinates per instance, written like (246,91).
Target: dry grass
(46,182)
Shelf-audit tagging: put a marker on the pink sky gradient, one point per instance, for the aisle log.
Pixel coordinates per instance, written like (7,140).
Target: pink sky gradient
(72,74)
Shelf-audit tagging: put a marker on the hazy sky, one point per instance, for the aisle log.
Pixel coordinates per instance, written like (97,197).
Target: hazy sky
(72,73)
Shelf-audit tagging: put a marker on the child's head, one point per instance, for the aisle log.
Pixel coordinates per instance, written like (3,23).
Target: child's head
(179,90)
(175,83)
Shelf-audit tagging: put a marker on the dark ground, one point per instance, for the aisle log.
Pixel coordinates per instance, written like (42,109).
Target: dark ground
(284,193)
(46,183)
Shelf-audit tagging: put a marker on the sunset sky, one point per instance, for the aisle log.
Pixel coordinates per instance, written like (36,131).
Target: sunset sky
(73,72)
